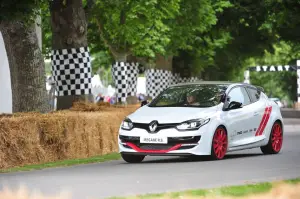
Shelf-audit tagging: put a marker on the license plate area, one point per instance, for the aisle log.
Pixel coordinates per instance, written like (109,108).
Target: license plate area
(153,140)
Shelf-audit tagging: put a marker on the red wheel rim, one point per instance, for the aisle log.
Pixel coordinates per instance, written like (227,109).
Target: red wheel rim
(220,143)
(276,138)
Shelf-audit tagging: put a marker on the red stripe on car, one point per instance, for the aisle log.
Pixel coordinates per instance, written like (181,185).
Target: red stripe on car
(261,122)
(136,148)
(266,120)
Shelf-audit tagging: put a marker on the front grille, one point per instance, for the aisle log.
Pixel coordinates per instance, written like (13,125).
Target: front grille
(155,146)
(145,126)
(159,146)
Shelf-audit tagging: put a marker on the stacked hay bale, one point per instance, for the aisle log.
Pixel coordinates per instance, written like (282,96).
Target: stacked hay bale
(83,131)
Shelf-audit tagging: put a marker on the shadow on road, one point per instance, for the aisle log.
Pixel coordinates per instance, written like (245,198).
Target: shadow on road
(197,159)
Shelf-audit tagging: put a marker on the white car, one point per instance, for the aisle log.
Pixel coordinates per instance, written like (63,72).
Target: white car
(202,118)
(277,101)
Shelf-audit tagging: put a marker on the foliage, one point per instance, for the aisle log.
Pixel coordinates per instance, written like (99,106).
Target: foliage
(282,19)
(20,10)
(46,31)
(135,26)
(241,38)
(195,20)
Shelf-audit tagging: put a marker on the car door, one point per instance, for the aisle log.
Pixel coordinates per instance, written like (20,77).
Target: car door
(238,123)
(259,108)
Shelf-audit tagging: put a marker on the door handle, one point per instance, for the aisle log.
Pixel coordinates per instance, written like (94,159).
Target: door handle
(255,114)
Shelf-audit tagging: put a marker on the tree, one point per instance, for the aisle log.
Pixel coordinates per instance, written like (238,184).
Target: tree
(71,58)
(17,24)
(134,27)
(250,35)
(193,33)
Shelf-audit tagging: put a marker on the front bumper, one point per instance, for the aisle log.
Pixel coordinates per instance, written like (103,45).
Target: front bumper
(178,143)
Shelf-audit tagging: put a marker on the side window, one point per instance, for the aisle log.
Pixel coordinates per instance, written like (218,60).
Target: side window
(254,94)
(239,94)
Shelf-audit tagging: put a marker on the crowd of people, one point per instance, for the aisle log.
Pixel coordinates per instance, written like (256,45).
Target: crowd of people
(112,99)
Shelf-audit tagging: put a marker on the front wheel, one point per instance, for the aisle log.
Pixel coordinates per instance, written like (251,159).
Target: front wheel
(275,140)
(132,158)
(219,144)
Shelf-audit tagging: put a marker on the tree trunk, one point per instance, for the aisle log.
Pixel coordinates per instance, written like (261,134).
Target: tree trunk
(71,62)
(164,63)
(27,67)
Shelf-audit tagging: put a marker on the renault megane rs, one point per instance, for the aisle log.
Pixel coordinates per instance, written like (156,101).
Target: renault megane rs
(202,118)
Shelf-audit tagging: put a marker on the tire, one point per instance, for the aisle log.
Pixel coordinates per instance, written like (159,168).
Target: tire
(219,144)
(132,158)
(275,140)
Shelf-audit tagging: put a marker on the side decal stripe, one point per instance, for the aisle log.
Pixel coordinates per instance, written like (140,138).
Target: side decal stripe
(266,120)
(261,122)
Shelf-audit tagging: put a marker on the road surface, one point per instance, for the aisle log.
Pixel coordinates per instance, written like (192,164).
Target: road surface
(156,174)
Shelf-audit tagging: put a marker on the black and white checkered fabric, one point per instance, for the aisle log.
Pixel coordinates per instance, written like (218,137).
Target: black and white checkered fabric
(125,76)
(157,80)
(132,71)
(120,78)
(152,82)
(71,71)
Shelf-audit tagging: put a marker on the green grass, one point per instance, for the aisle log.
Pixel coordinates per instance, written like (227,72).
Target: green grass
(64,163)
(233,191)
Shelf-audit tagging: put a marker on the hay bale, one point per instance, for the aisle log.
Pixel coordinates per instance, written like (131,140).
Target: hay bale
(34,138)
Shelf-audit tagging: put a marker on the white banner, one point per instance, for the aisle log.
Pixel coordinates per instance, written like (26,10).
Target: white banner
(5,82)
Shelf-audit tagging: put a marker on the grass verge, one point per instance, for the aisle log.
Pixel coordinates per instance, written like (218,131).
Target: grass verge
(229,191)
(64,163)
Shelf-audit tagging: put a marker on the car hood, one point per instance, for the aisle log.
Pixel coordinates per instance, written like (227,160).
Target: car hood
(147,114)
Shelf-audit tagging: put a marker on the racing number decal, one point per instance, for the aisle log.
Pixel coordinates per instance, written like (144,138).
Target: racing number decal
(264,121)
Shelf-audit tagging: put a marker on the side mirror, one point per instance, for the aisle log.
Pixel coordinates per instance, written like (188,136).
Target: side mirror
(223,97)
(234,105)
(144,103)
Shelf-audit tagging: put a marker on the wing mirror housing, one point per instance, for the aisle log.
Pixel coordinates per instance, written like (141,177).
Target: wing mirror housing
(223,97)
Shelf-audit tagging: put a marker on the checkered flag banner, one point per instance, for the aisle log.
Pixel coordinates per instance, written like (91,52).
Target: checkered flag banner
(71,70)
(132,72)
(152,82)
(157,80)
(125,76)
(120,78)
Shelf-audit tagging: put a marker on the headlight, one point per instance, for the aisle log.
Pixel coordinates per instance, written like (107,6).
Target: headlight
(192,124)
(127,124)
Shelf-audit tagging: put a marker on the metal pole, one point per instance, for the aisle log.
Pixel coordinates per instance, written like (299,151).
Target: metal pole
(247,76)
(298,81)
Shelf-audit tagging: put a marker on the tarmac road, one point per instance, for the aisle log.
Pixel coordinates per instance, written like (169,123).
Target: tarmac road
(156,174)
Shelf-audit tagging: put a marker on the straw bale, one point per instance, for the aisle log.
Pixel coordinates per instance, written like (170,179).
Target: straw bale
(33,138)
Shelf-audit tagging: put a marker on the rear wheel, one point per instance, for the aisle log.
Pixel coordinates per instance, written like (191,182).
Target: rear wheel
(132,158)
(219,144)
(275,140)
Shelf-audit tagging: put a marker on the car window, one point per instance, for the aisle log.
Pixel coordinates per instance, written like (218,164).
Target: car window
(254,94)
(190,96)
(239,94)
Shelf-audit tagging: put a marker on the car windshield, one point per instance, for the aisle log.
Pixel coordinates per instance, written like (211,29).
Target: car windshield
(190,96)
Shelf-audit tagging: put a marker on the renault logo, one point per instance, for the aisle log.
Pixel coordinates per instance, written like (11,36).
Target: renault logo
(153,126)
